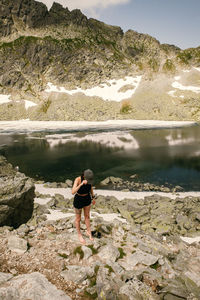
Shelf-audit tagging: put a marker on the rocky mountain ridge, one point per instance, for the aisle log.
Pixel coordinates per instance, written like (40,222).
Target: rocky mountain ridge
(66,48)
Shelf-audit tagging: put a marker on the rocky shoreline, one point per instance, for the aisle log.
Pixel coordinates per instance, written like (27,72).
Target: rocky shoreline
(145,248)
(127,260)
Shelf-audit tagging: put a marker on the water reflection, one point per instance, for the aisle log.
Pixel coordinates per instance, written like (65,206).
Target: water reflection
(116,139)
(158,156)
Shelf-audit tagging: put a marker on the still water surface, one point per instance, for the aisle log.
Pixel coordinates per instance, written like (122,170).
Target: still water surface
(160,156)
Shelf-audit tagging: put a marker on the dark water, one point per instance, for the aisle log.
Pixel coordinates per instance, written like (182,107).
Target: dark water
(160,156)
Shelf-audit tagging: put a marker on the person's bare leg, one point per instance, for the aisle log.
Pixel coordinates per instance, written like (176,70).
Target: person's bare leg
(87,221)
(77,223)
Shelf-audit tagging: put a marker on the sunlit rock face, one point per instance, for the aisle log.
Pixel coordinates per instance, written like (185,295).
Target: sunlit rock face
(16,195)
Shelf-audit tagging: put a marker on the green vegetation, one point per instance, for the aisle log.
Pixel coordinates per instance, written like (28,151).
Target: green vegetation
(184,57)
(110,269)
(155,266)
(78,250)
(94,251)
(96,269)
(92,283)
(153,63)
(63,255)
(122,253)
(169,66)
(125,107)
(46,105)
(91,296)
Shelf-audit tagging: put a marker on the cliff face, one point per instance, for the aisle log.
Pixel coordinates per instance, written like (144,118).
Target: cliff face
(66,48)
(16,196)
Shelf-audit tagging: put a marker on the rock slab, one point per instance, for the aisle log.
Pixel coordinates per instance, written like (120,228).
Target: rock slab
(32,286)
(16,196)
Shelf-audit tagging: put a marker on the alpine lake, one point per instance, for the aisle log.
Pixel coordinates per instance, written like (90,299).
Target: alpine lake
(166,157)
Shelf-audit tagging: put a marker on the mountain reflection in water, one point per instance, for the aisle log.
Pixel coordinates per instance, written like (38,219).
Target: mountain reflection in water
(159,156)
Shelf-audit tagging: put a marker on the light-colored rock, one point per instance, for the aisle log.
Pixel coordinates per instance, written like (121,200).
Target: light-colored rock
(136,290)
(76,273)
(87,252)
(69,182)
(17,244)
(108,253)
(32,286)
(139,257)
(5,277)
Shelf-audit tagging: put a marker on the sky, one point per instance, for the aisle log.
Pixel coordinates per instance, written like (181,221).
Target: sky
(174,22)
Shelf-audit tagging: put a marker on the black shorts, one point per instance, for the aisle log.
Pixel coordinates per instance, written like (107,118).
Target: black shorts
(82,201)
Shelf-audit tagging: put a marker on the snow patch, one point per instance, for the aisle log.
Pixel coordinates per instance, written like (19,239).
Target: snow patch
(190,240)
(171,93)
(4,98)
(179,86)
(22,126)
(107,91)
(198,69)
(29,104)
(177,77)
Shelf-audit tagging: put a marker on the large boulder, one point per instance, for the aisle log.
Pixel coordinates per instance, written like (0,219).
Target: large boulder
(32,286)
(16,196)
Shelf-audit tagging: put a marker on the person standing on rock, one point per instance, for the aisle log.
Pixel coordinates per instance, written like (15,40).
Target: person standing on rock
(83,191)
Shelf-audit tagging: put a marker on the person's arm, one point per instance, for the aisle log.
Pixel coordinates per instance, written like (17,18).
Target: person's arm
(92,192)
(93,196)
(77,184)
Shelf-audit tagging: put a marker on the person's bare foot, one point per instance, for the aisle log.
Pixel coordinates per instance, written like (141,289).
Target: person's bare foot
(81,239)
(90,236)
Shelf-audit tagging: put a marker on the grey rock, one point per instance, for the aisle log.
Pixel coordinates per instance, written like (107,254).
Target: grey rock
(16,196)
(192,281)
(5,277)
(139,257)
(17,244)
(87,252)
(32,286)
(108,253)
(69,183)
(136,290)
(176,288)
(76,273)
(105,181)
(107,284)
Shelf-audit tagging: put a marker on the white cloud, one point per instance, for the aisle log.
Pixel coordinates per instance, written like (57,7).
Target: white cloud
(86,5)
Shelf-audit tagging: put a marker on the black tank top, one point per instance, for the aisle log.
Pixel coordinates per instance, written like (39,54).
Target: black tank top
(85,188)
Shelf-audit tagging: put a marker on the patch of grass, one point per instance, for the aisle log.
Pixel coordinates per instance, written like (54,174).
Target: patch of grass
(169,66)
(122,253)
(91,296)
(63,255)
(96,269)
(110,269)
(94,251)
(123,244)
(153,65)
(155,266)
(184,57)
(125,107)
(92,281)
(78,250)
(45,106)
